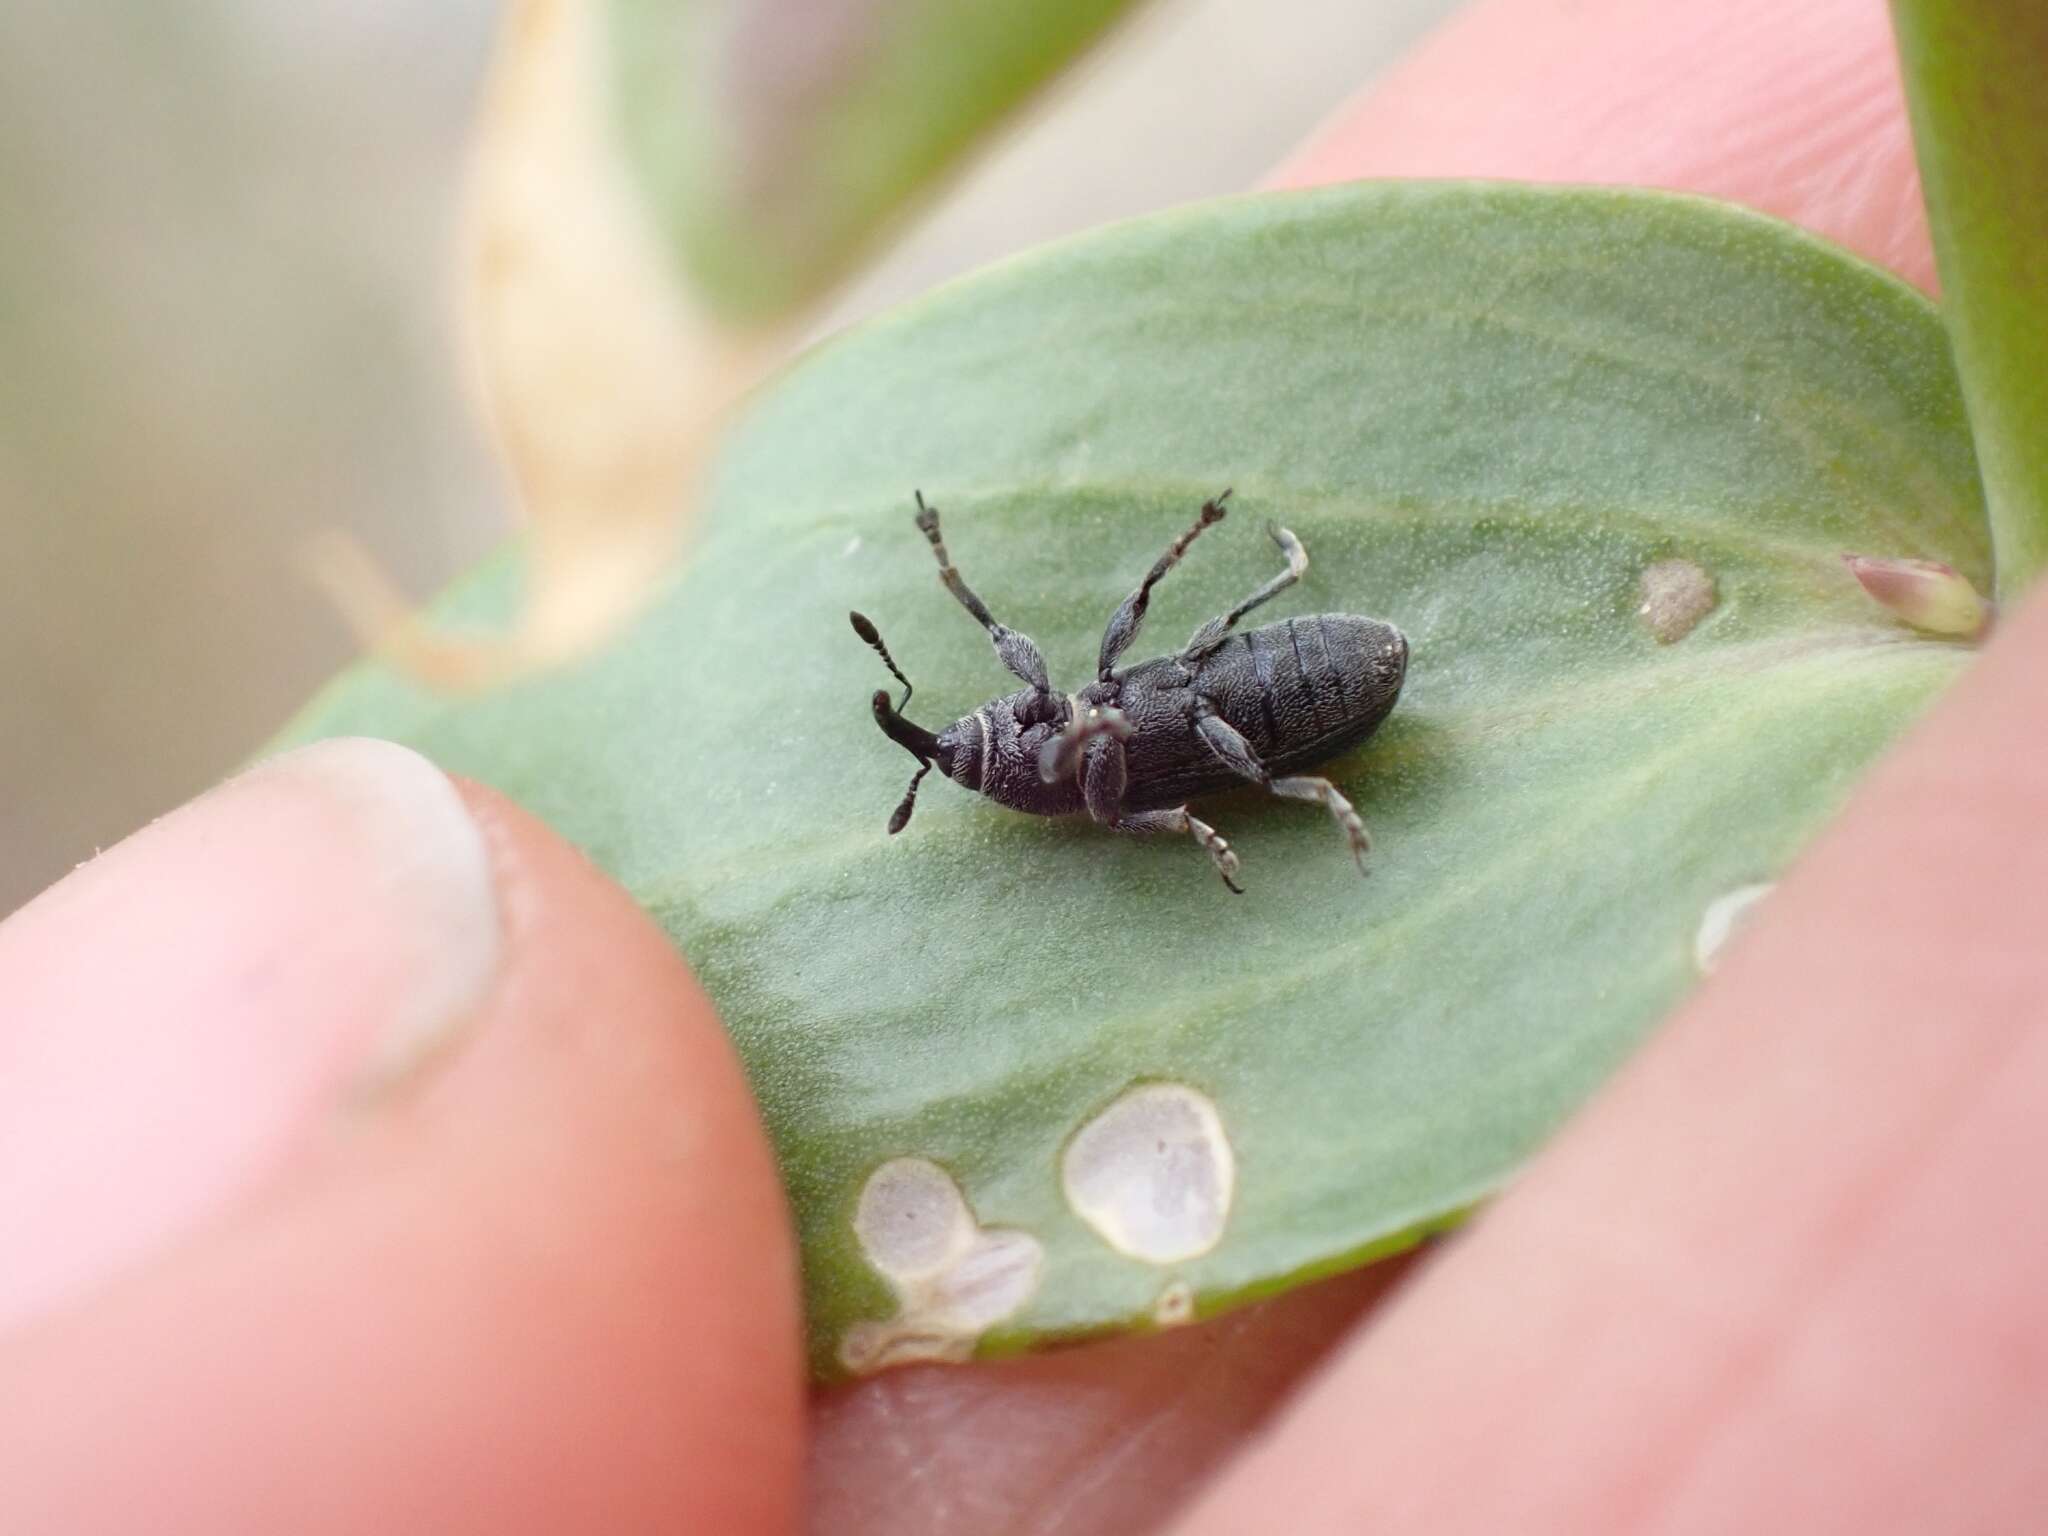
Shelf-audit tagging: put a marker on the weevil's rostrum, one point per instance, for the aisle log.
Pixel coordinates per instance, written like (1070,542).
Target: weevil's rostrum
(1134,746)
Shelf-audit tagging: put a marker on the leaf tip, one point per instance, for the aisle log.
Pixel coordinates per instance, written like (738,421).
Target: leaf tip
(574,610)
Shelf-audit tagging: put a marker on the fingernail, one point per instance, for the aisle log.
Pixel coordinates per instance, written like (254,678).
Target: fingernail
(181,1014)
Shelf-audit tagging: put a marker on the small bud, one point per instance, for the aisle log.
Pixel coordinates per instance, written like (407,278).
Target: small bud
(1928,595)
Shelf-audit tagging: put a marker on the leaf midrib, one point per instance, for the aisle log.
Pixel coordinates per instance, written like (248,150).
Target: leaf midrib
(1616,685)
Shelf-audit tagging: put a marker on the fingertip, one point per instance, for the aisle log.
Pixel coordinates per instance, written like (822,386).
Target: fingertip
(1792,110)
(539,1278)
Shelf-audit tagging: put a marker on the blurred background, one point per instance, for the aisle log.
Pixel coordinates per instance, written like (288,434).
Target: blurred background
(226,260)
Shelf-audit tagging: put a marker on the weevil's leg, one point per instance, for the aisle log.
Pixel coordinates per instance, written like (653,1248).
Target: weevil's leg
(1339,808)
(1062,754)
(1210,635)
(1126,621)
(1231,749)
(1212,842)
(1016,651)
(1103,776)
(1236,754)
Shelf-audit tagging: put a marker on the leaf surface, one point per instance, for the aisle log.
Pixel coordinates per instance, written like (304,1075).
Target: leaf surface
(1487,411)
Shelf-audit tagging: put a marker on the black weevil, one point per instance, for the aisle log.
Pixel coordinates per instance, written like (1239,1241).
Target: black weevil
(1134,746)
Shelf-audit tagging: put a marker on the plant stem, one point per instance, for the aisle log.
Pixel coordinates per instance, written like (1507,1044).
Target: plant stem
(1976,78)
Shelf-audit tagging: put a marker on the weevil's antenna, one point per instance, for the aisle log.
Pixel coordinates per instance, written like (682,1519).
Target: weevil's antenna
(900,817)
(911,737)
(865,628)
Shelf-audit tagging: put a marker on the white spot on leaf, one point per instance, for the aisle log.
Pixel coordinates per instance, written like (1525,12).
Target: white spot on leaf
(912,1221)
(953,1281)
(992,1279)
(1176,1305)
(1676,595)
(1718,923)
(1153,1174)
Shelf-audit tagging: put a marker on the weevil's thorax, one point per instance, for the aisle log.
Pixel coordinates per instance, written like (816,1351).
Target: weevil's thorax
(994,751)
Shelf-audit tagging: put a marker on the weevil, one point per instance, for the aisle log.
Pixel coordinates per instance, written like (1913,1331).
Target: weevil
(1137,744)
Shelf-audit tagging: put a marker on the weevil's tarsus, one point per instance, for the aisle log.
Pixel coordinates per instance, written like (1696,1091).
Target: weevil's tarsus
(1213,844)
(1213,633)
(1235,753)
(1129,617)
(1182,822)
(1340,809)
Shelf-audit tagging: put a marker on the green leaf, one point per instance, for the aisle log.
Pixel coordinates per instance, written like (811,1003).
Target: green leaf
(1974,73)
(1487,411)
(774,140)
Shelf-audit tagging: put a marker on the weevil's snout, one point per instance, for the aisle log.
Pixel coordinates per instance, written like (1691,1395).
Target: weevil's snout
(912,738)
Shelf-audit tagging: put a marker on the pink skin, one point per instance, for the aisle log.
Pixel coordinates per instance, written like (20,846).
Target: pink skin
(1786,1273)
(115,1136)
(1792,109)
(1791,1271)
(538,1278)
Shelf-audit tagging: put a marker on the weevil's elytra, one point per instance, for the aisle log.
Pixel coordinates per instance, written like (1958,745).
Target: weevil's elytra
(1135,746)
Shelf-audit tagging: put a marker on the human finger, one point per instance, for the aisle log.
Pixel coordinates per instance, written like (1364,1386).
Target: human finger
(383,1169)
(1791,109)
(1787,1272)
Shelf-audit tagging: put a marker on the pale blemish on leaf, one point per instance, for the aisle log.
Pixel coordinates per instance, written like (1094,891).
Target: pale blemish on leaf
(1930,595)
(1153,1174)
(1676,595)
(953,1281)
(1724,915)
(1175,1306)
